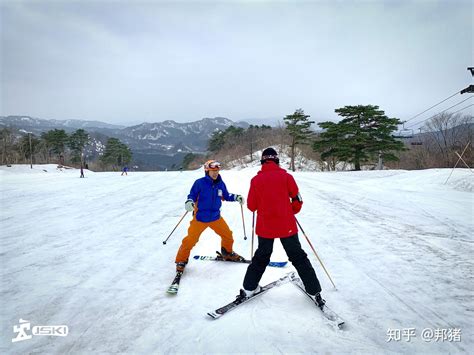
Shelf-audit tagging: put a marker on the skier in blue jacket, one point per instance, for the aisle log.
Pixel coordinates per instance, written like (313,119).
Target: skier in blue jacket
(205,200)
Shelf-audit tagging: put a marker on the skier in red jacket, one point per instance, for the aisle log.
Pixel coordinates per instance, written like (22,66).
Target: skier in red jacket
(270,193)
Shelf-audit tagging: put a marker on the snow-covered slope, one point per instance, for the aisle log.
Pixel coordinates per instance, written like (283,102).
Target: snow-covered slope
(88,253)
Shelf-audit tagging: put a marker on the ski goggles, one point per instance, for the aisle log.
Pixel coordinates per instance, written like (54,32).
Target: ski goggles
(213,165)
(265,157)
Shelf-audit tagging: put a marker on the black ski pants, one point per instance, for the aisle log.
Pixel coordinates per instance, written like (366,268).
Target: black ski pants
(296,255)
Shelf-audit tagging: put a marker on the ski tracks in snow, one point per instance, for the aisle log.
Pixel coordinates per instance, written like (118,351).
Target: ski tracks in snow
(414,251)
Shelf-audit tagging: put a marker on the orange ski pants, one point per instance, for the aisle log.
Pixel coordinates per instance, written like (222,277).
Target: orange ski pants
(194,232)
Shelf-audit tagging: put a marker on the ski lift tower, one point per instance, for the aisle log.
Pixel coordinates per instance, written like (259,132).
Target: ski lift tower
(470,88)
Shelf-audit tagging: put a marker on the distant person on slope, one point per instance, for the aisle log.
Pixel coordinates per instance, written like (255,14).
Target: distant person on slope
(205,200)
(270,193)
(124,171)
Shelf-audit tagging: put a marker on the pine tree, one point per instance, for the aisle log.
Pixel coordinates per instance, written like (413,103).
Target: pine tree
(216,142)
(230,137)
(298,127)
(361,136)
(116,153)
(188,158)
(56,142)
(77,141)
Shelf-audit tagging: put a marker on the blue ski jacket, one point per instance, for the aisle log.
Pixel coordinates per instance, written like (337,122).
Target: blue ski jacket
(208,195)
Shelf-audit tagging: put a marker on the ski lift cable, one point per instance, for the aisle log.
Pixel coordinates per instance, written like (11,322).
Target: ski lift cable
(460,102)
(463,108)
(414,124)
(432,107)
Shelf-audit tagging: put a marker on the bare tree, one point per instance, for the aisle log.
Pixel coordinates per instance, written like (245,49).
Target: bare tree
(8,146)
(448,132)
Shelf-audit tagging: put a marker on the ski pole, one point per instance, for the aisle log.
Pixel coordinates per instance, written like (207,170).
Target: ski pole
(164,241)
(311,245)
(253,233)
(243,223)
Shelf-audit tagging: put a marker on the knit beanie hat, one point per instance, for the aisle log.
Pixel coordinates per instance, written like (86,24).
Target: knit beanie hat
(269,154)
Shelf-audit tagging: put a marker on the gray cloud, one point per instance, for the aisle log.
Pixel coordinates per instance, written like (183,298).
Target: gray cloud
(125,62)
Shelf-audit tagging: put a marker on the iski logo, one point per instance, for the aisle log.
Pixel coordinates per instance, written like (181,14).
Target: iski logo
(49,330)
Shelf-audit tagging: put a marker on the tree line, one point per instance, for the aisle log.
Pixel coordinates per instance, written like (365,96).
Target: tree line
(364,137)
(56,146)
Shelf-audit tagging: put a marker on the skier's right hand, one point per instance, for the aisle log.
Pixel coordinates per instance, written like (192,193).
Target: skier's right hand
(296,203)
(189,205)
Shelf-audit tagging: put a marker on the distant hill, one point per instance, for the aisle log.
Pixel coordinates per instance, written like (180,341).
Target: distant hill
(38,125)
(160,145)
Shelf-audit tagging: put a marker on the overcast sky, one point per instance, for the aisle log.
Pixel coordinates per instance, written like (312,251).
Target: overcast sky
(128,62)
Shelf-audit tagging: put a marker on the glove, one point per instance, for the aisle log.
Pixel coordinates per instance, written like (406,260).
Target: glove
(189,205)
(296,203)
(296,206)
(240,199)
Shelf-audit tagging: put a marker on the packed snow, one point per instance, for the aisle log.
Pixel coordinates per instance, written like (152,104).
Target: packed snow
(88,253)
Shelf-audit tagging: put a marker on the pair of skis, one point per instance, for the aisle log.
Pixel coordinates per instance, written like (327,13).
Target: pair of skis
(329,315)
(174,287)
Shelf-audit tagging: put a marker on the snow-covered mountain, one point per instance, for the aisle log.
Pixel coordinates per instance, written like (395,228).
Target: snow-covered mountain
(158,145)
(164,144)
(38,125)
(88,254)
(171,136)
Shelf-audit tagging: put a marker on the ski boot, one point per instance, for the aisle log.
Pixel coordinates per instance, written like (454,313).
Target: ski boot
(180,266)
(319,300)
(233,256)
(247,294)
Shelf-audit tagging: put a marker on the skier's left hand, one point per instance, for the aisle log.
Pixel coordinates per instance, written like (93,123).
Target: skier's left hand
(240,199)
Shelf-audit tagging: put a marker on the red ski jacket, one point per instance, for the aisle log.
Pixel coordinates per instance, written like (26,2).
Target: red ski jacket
(270,193)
